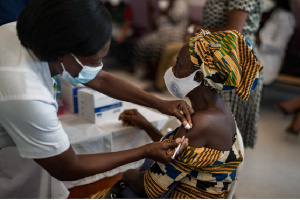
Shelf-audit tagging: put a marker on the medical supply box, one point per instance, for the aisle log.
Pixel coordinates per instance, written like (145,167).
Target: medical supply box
(69,94)
(96,107)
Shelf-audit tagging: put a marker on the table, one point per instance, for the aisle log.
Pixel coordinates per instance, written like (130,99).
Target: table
(85,138)
(89,138)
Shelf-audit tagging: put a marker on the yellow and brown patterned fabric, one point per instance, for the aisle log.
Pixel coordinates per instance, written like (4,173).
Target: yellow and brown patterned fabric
(99,195)
(228,61)
(201,173)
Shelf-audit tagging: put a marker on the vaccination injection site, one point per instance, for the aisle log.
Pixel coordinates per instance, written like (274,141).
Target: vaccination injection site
(145,99)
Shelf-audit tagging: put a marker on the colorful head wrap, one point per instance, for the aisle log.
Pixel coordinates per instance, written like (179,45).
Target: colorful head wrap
(229,62)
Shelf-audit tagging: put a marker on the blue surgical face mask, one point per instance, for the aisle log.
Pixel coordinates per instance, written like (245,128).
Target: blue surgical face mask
(85,75)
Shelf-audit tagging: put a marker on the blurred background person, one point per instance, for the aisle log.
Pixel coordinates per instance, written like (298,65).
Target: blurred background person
(243,16)
(170,26)
(10,10)
(277,27)
(121,40)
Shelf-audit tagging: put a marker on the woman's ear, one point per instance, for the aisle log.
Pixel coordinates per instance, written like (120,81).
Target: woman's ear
(199,76)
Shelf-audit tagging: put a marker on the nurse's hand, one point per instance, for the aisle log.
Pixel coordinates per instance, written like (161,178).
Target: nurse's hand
(178,108)
(163,151)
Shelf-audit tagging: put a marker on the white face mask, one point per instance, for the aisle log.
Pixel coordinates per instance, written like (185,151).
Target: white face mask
(114,2)
(85,75)
(180,87)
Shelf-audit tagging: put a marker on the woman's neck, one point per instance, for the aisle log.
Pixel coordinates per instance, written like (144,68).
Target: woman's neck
(203,97)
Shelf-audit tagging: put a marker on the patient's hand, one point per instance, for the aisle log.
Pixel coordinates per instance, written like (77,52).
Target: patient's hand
(134,118)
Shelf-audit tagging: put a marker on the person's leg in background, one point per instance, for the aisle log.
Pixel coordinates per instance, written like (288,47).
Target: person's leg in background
(145,52)
(152,64)
(125,53)
(113,50)
(288,107)
(167,59)
(294,128)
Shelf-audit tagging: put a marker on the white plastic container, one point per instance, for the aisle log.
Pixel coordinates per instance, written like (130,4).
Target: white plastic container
(96,107)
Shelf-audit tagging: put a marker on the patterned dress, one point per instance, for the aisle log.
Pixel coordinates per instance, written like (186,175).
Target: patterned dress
(245,112)
(201,173)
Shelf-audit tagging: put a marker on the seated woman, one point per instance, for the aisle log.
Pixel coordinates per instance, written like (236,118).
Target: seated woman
(207,166)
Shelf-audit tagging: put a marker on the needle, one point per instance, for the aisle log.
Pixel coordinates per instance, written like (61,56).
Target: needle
(177,148)
(187,127)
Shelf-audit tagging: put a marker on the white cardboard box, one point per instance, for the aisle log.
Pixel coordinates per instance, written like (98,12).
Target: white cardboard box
(96,107)
(69,94)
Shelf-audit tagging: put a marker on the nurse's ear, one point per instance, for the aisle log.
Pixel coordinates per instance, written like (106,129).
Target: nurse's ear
(199,77)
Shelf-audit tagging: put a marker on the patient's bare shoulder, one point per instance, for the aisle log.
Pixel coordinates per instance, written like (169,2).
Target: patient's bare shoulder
(198,134)
(211,130)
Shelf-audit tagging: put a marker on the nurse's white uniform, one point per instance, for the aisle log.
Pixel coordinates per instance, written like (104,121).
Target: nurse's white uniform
(28,120)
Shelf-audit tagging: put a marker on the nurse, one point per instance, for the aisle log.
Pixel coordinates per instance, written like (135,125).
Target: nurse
(68,37)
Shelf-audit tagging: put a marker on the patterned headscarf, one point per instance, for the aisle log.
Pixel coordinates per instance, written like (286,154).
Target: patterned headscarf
(228,61)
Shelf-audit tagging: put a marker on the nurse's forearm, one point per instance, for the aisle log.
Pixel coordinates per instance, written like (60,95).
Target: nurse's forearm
(68,166)
(108,161)
(123,90)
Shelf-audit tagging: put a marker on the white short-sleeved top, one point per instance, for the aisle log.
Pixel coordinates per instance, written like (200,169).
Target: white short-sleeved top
(28,109)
